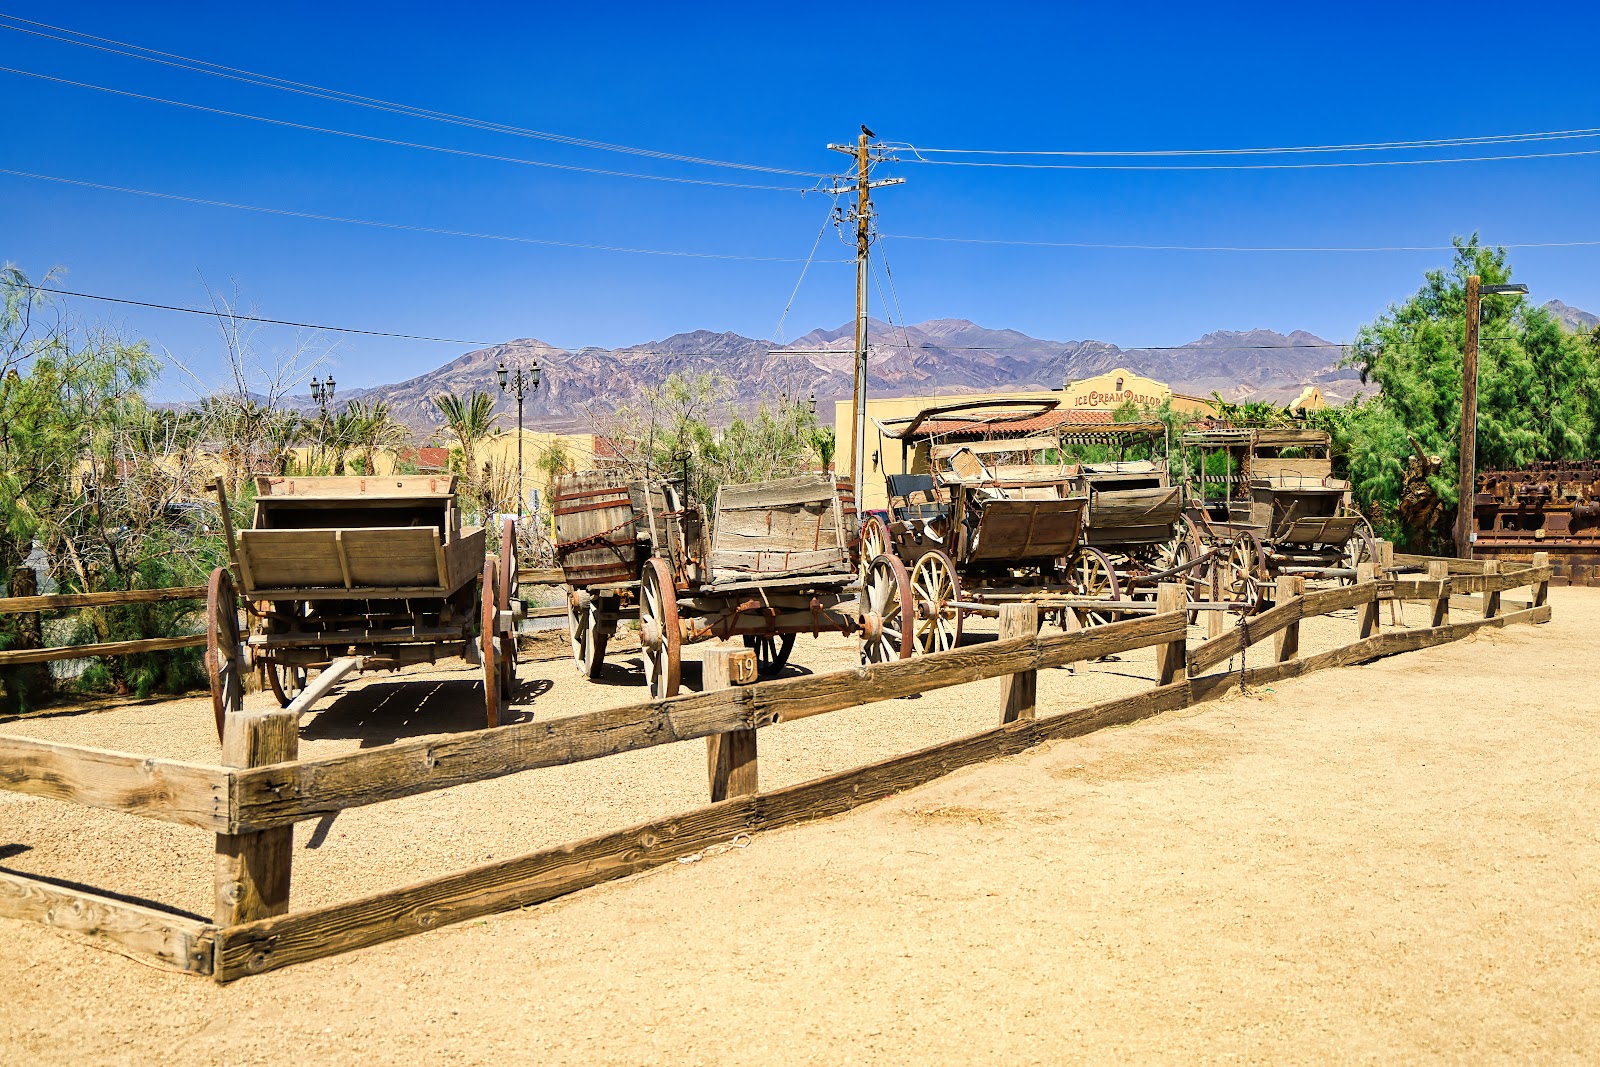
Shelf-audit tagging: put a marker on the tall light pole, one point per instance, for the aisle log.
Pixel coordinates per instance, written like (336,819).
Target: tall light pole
(519,383)
(322,393)
(1467,461)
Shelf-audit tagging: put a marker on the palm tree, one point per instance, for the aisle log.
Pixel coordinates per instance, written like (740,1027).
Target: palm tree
(470,421)
(376,430)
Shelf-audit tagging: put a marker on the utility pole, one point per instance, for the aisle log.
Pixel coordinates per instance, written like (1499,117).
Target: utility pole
(1466,463)
(864,155)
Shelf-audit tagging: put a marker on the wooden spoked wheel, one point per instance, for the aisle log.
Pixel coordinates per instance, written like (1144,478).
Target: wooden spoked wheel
(887,615)
(659,636)
(490,642)
(1094,577)
(874,540)
(1357,550)
(772,651)
(585,633)
(507,590)
(1243,573)
(224,650)
(287,680)
(936,590)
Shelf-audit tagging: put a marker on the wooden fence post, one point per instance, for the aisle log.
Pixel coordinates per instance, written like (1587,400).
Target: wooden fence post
(1214,619)
(1286,589)
(730,757)
(1367,574)
(252,870)
(1491,599)
(1172,660)
(1019,691)
(1439,570)
(1541,591)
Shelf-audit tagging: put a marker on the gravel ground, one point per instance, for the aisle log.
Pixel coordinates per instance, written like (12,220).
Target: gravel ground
(1374,863)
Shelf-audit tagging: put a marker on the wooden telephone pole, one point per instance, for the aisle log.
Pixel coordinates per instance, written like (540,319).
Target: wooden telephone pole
(864,155)
(1466,463)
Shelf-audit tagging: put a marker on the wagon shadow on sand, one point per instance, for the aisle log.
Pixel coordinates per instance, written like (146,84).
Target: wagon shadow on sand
(381,713)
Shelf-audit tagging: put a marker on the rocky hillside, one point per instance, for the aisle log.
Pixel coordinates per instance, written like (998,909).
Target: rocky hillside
(1572,318)
(938,356)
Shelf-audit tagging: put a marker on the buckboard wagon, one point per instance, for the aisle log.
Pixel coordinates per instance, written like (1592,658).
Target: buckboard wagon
(344,574)
(777,560)
(1280,511)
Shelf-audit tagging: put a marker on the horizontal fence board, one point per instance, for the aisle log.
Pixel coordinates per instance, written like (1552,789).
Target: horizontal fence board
(59,601)
(1226,645)
(188,793)
(179,942)
(540,576)
(284,793)
(278,942)
(12,656)
(1510,578)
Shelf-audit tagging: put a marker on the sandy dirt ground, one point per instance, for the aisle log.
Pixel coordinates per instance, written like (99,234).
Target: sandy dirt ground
(1393,862)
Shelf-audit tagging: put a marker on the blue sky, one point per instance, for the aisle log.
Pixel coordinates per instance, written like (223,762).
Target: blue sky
(772,85)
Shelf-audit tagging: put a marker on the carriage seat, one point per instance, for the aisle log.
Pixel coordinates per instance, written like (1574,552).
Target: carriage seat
(915,497)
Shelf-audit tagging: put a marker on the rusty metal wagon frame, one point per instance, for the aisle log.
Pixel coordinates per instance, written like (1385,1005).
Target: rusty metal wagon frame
(1281,512)
(339,575)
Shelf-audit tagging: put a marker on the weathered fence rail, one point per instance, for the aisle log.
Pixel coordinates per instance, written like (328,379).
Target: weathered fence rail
(30,605)
(252,803)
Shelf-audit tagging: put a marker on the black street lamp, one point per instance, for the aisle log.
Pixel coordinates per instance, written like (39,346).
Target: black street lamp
(322,393)
(519,383)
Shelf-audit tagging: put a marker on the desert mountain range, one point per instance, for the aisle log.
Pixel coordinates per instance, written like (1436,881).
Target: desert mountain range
(935,357)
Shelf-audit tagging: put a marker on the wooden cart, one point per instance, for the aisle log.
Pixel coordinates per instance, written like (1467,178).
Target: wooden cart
(778,560)
(337,575)
(986,520)
(1265,503)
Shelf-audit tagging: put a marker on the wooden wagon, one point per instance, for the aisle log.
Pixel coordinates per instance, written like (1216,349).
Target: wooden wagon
(338,575)
(1265,503)
(993,514)
(777,560)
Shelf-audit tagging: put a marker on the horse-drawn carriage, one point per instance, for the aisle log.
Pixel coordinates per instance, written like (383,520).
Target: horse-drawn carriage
(777,560)
(337,575)
(1265,503)
(988,511)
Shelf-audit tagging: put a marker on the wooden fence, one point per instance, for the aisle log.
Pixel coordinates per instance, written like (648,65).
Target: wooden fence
(32,605)
(252,800)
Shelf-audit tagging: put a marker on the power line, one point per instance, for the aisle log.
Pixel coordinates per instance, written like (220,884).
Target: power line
(1369,146)
(1224,248)
(401,226)
(201,66)
(407,144)
(1245,166)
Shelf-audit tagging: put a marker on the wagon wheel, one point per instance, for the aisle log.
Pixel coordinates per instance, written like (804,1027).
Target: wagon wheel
(936,590)
(1244,572)
(490,640)
(887,619)
(874,541)
(659,635)
(287,681)
(1357,550)
(588,637)
(1093,576)
(772,651)
(223,649)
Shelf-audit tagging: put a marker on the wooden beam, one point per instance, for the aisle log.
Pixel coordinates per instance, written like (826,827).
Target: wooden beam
(1541,590)
(1497,581)
(1290,587)
(273,796)
(1227,645)
(540,576)
(61,601)
(1172,658)
(1439,571)
(1491,597)
(278,942)
(731,765)
(1367,575)
(253,869)
(1019,692)
(188,793)
(181,942)
(14,656)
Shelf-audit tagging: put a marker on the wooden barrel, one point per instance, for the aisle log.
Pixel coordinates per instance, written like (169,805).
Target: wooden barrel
(596,528)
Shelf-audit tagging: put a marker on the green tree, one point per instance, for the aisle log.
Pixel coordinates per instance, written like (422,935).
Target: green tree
(1537,392)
